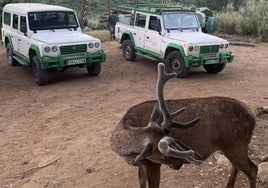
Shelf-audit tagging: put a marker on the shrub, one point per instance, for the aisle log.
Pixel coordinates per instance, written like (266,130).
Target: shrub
(249,20)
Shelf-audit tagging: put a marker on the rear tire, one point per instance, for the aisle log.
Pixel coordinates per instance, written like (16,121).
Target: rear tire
(128,50)
(9,53)
(214,69)
(94,69)
(175,63)
(40,75)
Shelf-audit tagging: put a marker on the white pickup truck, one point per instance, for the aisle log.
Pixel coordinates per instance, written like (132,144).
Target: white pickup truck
(47,37)
(169,34)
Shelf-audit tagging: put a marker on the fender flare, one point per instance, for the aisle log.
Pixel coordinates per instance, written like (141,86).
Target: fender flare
(8,40)
(178,47)
(36,50)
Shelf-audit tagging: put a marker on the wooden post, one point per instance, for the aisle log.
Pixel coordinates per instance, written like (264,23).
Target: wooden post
(109,11)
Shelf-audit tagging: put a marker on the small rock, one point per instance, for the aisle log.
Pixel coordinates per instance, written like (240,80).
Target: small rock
(263,172)
(223,162)
(261,110)
(89,170)
(264,158)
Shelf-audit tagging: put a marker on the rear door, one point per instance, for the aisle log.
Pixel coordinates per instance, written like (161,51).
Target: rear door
(14,32)
(23,41)
(139,29)
(153,38)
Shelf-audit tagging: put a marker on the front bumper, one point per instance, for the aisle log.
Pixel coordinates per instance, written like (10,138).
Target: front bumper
(61,61)
(192,61)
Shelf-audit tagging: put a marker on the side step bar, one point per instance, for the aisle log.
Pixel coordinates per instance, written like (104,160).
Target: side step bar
(20,61)
(149,57)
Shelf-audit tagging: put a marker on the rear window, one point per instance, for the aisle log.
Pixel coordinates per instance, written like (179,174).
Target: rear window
(15,24)
(7,18)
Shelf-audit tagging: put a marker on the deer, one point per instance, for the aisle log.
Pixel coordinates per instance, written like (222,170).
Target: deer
(148,135)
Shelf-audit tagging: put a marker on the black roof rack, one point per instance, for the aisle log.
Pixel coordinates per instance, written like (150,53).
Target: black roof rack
(150,8)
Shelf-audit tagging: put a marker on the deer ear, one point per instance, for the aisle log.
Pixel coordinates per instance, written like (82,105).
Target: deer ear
(146,152)
(155,113)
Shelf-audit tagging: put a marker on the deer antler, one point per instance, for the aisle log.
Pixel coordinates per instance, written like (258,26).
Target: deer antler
(169,147)
(167,123)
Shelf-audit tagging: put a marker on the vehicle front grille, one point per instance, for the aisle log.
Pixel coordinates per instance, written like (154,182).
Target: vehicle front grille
(74,54)
(73,49)
(212,49)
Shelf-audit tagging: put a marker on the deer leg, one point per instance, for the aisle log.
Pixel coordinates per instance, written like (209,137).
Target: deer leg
(142,177)
(252,173)
(239,158)
(232,177)
(149,172)
(153,174)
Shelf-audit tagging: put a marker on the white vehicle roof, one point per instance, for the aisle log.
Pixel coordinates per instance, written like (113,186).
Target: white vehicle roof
(32,7)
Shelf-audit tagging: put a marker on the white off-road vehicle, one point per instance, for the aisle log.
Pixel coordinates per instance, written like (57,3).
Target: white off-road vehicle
(48,37)
(169,34)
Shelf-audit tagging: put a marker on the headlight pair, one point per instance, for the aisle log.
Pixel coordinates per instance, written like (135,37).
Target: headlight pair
(53,49)
(195,48)
(226,45)
(96,44)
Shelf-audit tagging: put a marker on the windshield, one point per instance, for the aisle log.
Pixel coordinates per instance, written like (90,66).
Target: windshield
(180,20)
(52,20)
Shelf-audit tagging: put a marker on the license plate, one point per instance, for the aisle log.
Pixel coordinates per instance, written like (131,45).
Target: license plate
(211,61)
(76,61)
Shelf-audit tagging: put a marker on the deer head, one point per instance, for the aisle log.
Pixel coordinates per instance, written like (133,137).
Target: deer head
(152,142)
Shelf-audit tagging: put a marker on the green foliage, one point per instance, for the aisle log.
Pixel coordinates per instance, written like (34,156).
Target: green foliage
(243,17)
(250,19)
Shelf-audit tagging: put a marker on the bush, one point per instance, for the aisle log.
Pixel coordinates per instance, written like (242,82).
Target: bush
(249,20)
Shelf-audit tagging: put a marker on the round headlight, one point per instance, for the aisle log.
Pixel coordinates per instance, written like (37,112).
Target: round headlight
(90,45)
(191,48)
(226,45)
(97,44)
(47,49)
(221,46)
(54,48)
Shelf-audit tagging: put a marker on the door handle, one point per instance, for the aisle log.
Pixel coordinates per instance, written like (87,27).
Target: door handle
(147,37)
(134,33)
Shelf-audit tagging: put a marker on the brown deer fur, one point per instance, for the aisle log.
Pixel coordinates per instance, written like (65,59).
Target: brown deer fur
(226,124)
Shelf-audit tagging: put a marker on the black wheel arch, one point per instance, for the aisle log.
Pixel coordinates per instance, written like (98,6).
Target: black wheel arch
(32,53)
(125,37)
(6,41)
(171,49)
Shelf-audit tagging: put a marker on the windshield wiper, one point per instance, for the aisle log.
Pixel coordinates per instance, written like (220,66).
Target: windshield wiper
(188,28)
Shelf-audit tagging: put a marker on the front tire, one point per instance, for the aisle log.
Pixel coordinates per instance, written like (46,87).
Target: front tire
(175,63)
(40,75)
(214,69)
(128,50)
(9,53)
(94,69)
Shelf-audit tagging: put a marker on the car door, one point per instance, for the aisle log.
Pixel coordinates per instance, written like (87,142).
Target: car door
(23,41)
(139,29)
(153,38)
(14,31)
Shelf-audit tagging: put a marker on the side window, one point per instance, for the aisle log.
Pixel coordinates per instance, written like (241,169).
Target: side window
(154,24)
(23,26)
(15,23)
(7,18)
(140,20)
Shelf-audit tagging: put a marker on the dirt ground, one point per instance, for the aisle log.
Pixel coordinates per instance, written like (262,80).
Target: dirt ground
(58,135)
